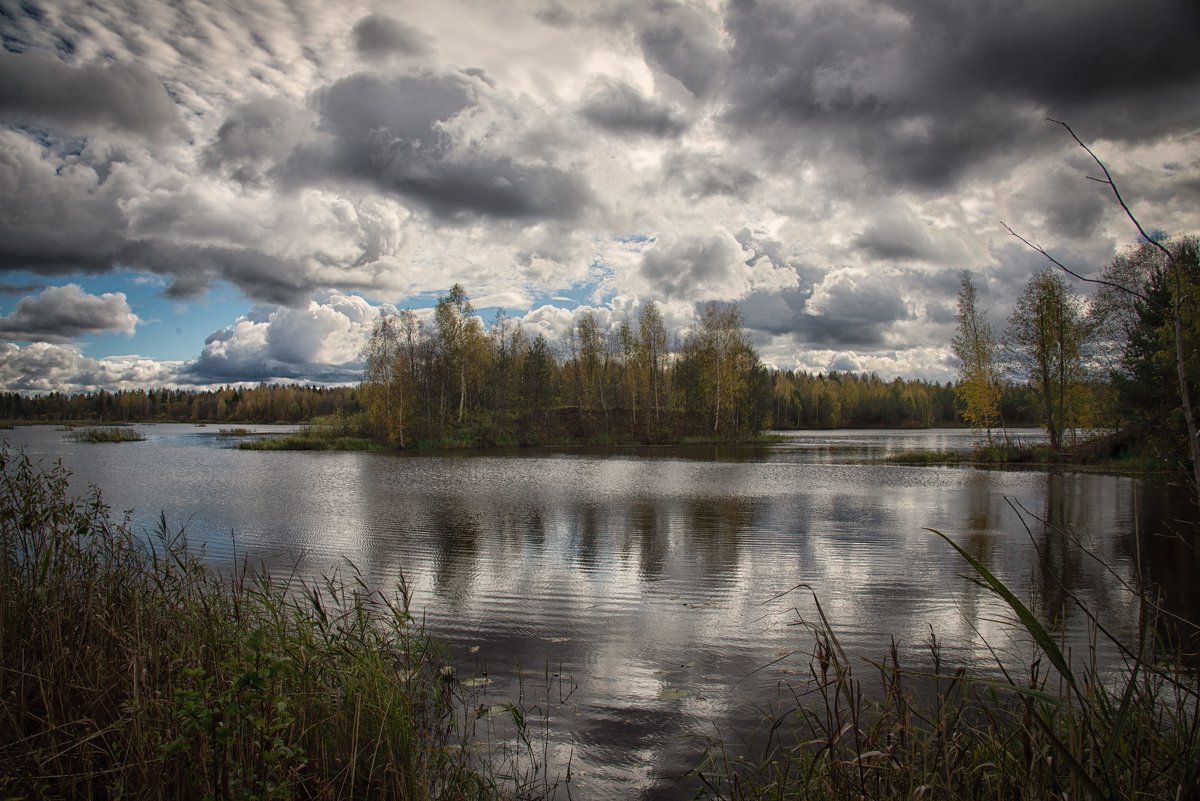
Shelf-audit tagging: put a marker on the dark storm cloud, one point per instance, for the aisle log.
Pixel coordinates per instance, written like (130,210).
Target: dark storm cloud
(193,268)
(682,43)
(923,90)
(852,314)
(225,360)
(895,239)
(62,313)
(700,176)
(35,86)
(56,220)
(379,36)
(1070,209)
(19,289)
(774,313)
(389,133)
(210,368)
(617,107)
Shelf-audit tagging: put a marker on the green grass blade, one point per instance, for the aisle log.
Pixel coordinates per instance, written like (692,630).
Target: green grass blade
(1028,620)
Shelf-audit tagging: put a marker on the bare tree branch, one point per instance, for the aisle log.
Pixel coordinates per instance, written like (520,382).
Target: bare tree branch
(1071,272)
(1108,179)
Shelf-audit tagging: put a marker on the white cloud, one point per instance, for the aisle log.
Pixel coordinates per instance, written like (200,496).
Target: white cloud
(320,342)
(46,367)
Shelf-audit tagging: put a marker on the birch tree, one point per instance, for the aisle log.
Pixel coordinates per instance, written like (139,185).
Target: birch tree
(974,346)
(383,381)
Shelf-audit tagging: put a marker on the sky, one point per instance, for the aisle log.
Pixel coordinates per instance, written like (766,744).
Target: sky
(201,193)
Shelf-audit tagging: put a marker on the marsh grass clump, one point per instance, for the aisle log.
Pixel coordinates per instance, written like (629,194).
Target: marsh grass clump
(131,669)
(1059,728)
(106,434)
(234,432)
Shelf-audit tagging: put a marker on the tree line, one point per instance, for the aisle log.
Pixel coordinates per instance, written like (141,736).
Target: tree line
(267,403)
(1127,359)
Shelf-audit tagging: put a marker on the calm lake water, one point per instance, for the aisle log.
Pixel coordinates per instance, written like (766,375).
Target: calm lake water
(642,595)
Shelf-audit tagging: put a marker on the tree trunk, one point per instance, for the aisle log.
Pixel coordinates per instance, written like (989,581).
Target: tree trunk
(1181,370)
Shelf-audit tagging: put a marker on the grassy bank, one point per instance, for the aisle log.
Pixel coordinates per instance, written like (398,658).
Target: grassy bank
(134,671)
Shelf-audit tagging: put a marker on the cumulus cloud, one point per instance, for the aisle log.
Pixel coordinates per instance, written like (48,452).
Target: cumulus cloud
(47,367)
(62,313)
(700,175)
(320,342)
(860,151)
(896,238)
(36,86)
(58,214)
(849,307)
(846,307)
(684,42)
(690,268)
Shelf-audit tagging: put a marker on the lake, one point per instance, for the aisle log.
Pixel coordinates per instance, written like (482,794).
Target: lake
(647,599)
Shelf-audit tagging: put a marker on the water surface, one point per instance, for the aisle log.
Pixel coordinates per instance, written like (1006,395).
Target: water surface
(662,586)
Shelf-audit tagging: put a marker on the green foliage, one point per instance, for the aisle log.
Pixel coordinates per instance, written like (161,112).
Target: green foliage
(801,399)
(452,384)
(1135,312)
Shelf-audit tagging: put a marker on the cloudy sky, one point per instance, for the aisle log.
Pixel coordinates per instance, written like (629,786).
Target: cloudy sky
(198,193)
